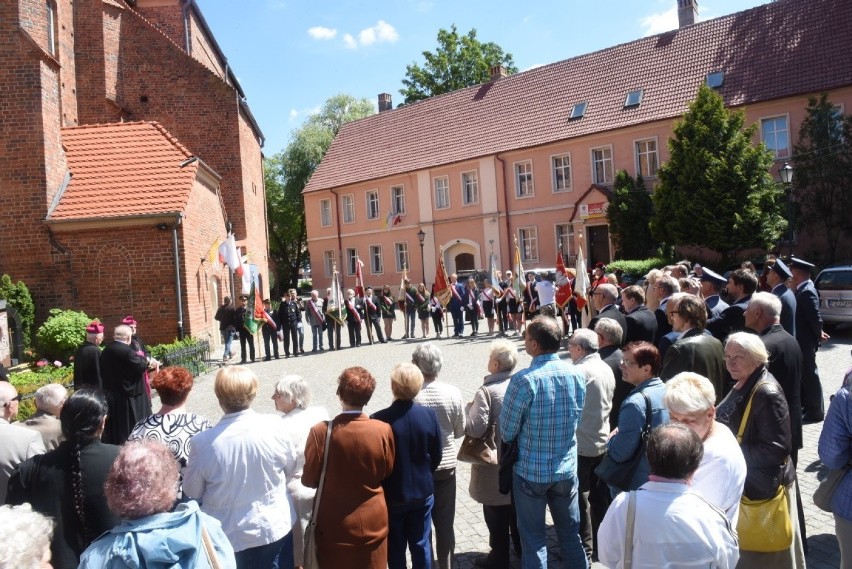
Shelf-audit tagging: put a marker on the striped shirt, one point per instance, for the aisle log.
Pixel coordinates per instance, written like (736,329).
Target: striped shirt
(446,400)
(541,409)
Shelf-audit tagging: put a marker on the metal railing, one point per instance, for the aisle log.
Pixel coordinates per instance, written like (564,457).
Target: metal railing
(194,358)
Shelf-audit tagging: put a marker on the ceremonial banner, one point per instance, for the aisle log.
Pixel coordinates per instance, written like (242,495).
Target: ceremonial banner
(581,285)
(359,278)
(336,308)
(255,315)
(229,256)
(401,296)
(442,287)
(563,284)
(521,278)
(492,275)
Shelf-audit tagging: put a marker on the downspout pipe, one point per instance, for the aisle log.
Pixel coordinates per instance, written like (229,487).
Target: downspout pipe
(178,295)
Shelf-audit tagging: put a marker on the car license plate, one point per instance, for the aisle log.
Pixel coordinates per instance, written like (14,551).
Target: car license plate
(839,303)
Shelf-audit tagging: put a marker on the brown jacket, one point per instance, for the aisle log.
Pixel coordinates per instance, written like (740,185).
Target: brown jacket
(352,522)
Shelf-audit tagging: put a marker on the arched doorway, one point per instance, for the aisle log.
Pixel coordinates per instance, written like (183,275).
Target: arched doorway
(461,255)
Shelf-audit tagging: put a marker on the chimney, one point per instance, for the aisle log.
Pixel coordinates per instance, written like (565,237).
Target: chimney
(498,72)
(687,11)
(385,102)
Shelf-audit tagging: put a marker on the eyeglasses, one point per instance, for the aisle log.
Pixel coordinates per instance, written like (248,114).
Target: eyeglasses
(627,363)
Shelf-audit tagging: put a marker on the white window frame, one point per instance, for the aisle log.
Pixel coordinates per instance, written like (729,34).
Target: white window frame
(326,216)
(373,194)
(532,256)
(347,205)
(531,191)
(351,260)
(464,187)
(445,189)
(763,121)
(328,262)
(377,264)
(50,5)
(553,169)
(398,201)
(400,253)
(569,247)
(610,171)
(642,157)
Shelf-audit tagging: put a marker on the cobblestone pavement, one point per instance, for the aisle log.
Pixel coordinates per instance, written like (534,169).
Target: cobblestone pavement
(465,363)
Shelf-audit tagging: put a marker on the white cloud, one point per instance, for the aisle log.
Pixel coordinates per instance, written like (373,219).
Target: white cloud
(322,33)
(350,41)
(293,114)
(533,66)
(659,22)
(382,32)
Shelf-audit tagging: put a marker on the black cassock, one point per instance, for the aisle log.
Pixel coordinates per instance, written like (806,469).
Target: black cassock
(123,372)
(87,366)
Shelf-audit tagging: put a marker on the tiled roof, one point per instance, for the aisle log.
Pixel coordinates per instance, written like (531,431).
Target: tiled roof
(123,170)
(780,49)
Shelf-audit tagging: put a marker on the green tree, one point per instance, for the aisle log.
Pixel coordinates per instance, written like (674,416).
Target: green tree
(629,214)
(61,334)
(458,62)
(287,173)
(17,295)
(716,190)
(822,176)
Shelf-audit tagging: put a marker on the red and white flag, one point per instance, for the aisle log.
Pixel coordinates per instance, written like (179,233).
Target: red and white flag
(359,278)
(563,283)
(229,256)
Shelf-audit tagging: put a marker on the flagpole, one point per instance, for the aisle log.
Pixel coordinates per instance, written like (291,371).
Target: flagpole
(446,280)
(364,292)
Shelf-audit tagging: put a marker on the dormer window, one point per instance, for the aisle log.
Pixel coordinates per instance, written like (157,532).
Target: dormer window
(633,98)
(578,110)
(715,79)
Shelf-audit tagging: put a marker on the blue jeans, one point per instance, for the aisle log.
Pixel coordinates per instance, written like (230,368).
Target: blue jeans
(410,526)
(228,337)
(316,336)
(275,555)
(531,499)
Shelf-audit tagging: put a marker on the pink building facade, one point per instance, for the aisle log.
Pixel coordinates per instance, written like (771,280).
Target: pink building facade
(522,158)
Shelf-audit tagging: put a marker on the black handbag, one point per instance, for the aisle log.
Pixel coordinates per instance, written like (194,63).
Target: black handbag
(507,460)
(620,474)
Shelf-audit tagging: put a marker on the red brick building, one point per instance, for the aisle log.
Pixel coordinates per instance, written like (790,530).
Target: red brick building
(533,156)
(127,151)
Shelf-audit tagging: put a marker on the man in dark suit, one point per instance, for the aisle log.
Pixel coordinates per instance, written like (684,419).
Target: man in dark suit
(609,339)
(809,334)
(641,324)
(711,285)
(741,285)
(87,358)
(605,297)
(666,285)
(270,331)
(123,372)
(373,314)
(777,277)
(696,350)
(246,338)
(354,316)
(289,317)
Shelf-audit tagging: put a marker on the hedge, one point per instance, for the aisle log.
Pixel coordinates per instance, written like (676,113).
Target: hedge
(639,267)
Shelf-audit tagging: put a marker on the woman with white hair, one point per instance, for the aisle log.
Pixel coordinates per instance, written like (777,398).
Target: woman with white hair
(691,401)
(292,397)
(482,414)
(757,412)
(25,539)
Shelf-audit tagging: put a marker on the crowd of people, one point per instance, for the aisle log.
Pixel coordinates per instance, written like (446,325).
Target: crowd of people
(655,436)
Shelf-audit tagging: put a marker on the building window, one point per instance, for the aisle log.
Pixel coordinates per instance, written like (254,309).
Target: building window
(523,180)
(351,259)
(328,262)
(561,173)
(528,241)
(647,162)
(602,165)
(376,265)
(373,205)
(633,98)
(401,255)
(51,27)
(775,136)
(442,193)
(578,111)
(325,213)
(565,238)
(348,208)
(398,200)
(470,188)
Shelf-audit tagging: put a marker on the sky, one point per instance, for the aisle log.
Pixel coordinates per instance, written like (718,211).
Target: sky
(290,56)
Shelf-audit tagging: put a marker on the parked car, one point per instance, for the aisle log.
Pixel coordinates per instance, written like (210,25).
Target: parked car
(834,286)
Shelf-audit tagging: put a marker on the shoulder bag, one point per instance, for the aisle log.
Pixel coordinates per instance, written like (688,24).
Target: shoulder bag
(620,474)
(828,486)
(209,549)
(310,561)
(476,450)
(764,525)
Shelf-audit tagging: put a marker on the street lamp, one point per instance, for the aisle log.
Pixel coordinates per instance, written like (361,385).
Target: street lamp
(421,236)
(786,172)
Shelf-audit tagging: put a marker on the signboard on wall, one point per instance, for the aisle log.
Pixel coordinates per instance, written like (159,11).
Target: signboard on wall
(593,210)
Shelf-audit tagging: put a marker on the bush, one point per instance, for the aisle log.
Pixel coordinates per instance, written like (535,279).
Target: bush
(639,267)
(61,334)
(17,295)
(27,382)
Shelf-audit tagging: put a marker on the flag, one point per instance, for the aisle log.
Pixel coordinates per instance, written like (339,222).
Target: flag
(521,277)
(492,276)
(442,287)
(336,308)
(563,284)
(581,285)
(401,297)
(247,281)
(359,278)
(212,252)
(255,303)
(228,255)
(392,219)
